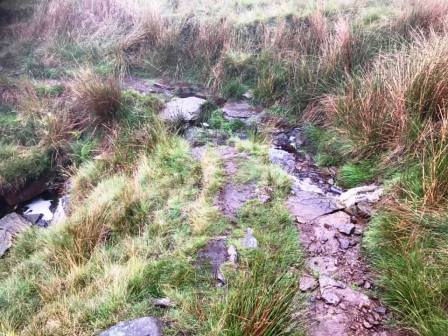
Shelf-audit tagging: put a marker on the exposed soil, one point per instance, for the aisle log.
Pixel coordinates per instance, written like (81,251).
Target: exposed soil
(233,195)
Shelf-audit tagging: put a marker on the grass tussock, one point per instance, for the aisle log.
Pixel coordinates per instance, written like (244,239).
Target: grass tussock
(96,100)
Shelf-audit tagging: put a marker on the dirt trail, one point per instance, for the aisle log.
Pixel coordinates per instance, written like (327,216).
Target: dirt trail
(337,280)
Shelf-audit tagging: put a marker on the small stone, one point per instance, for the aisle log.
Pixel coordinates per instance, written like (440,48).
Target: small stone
(344,243)
(367,325)
(307,283)
(331,298)
(250,242)
(346,228)
(367,285)
(163,303)
(380,310)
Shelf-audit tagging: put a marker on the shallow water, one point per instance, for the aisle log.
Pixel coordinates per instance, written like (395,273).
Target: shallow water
(40,206)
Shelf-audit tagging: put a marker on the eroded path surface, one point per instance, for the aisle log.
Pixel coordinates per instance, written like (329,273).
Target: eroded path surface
(331,224)
(337,282)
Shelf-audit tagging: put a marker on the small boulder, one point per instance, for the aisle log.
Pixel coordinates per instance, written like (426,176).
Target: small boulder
(183,109)
(10,226)
(144,326)
(369,194)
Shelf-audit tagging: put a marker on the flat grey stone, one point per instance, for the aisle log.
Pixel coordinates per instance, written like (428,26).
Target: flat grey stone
(307,206)
(145,326)
(238,110)
(10,226)
(183,109)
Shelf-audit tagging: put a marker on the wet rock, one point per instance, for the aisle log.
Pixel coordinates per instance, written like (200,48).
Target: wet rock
(145,326)
(33,218)
(10,226)
(306,184)
(307,283)
(61,211)
(306,206)
(369,194)
(249,241)
(283,159)
(163,303)
(183,109)
(214,254)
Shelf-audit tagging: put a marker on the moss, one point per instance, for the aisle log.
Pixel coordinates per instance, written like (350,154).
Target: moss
(21,165)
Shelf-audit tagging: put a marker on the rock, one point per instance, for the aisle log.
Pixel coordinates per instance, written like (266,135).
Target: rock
(183,109)
(307,206)
(307,283)
(369,194)
(306,184)
(380,310)
(367,325)
(367,285)
(33,218)
(249,94)
(11,225)
(283,159)
(250,242)
(364,209)
(61,211)
(233,255)
(145,326)
(238,110)
(163,303)
(344,243)
(331,297)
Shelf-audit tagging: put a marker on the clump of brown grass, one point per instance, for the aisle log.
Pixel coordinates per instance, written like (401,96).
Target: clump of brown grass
(423,16)
(96,100)
(388,106)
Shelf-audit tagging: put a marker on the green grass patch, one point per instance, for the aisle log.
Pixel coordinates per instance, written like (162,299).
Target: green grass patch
(355,174)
